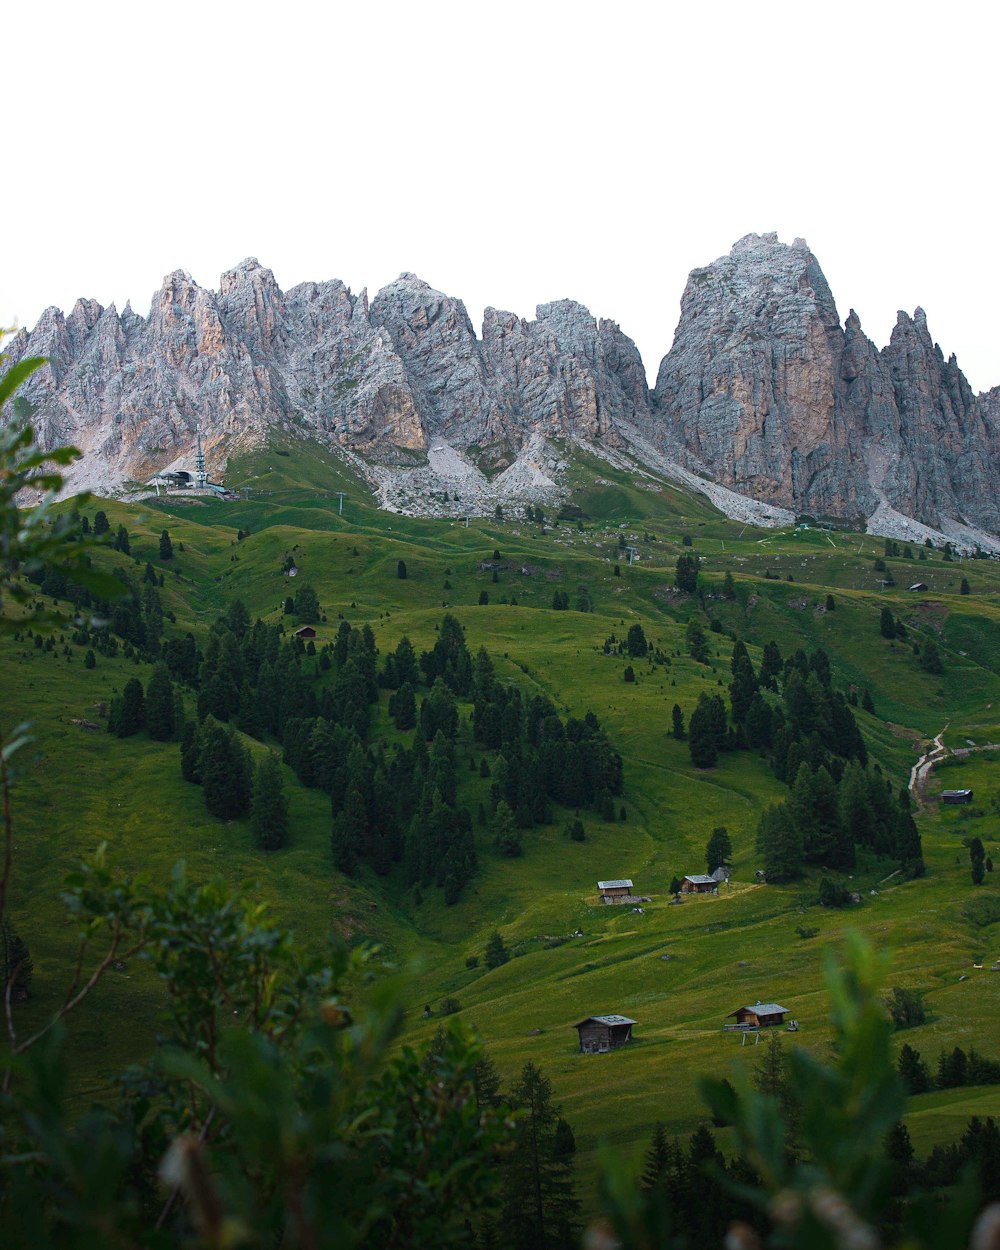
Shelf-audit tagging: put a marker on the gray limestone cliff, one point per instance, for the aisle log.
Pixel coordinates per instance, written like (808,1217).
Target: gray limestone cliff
(767,391)
(764,390)
(384,380)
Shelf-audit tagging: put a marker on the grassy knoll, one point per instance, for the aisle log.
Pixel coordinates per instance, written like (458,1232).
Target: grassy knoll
(81,787)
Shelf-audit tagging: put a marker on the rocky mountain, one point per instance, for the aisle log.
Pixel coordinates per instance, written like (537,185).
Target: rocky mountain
(764,389)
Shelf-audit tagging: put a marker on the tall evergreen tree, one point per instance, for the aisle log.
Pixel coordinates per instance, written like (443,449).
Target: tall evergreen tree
(166,546)
(225,771)
(677,716)
(780,845)
(540,1210)
(702,735)
(160,705)
(719,850)
(269,806)
(307,605)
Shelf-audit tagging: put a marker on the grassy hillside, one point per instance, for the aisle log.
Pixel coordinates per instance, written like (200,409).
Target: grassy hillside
(678,971)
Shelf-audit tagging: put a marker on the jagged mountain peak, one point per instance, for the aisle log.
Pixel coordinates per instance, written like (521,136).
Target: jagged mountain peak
(763,389)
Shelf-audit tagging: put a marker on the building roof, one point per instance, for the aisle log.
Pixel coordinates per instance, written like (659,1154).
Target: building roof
(918,586)
(611,1020)
(953,793)
(699,878)
(615,885)
(762,1009)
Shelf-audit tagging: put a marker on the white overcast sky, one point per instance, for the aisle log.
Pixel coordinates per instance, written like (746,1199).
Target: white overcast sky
(509,153)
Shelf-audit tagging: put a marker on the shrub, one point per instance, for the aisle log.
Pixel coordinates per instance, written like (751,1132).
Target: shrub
(905,1007)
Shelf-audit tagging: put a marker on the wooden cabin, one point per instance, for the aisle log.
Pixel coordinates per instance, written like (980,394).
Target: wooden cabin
(599,1034)
(918,586)
(305,631)
(956,796)
(615,891)
(698,883)
(758,1016)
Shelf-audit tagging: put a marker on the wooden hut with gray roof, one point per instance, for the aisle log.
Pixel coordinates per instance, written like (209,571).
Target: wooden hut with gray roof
(758,1016)
(619,891)
(599,1034)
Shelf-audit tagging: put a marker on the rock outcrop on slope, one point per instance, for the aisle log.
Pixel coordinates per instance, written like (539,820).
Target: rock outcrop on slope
(764,389)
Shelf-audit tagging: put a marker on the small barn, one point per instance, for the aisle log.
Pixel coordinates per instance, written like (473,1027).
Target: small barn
(956,796)
(918,586)
(599,1034)
(305,631)
(758,1016)
(699,884)
(616,891)
(721,874)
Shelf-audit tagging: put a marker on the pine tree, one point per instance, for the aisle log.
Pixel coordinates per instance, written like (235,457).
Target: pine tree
(269,806)
(678,722)
(128,714)
(307,605)
(964,587)
(915,1073)
(101,523)
(930,657)
(539,1207)
(160,705)
(977,856)
(702,736)
(779,845)
(635,643)
(686,573)
(887,624)
(225,771)
(719,850)
(401,570)
(506,837)
(191,753)
(496,952)
(697,642)
(166,546)
(121,542)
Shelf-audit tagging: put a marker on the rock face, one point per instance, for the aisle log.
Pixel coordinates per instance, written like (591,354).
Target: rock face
(766,391)
(763,390)
(384,381)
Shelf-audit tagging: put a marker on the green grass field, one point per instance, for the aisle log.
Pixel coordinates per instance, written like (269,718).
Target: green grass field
(678,971)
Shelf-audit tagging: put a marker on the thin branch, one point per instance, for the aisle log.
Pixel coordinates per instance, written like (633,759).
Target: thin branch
(72,1004)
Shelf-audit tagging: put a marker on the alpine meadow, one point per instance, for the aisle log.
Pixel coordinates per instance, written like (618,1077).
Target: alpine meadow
(419,744)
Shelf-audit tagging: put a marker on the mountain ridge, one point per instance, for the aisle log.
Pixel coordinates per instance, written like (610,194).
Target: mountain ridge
(764,390)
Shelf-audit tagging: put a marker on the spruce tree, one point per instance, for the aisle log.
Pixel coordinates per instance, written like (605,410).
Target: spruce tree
(101,523)
(686,573)
(930,657)
(401,570)
(702,736)
(166,546)
(678,722)
(887,623)
(225,771)
(719,850)
(307,605)
(269,806)
(539,1205)
(496,952)
(160,705)
(779,845)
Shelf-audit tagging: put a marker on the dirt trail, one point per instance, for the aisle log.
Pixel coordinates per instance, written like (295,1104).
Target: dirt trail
(921,770)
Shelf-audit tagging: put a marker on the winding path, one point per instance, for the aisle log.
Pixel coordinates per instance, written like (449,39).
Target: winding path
(921,770)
